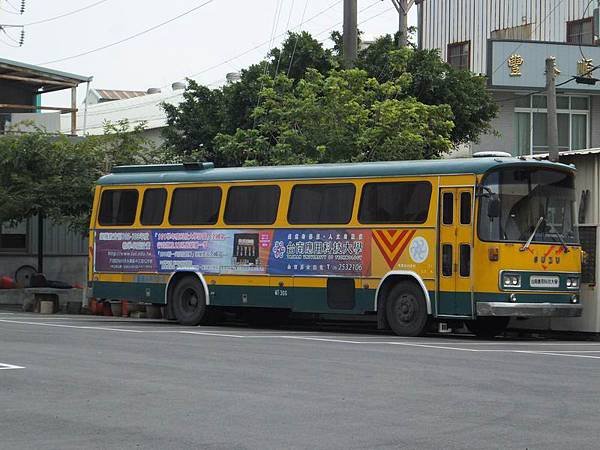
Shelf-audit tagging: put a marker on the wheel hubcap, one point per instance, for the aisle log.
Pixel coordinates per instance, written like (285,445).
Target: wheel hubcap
(189,300)
(406,308)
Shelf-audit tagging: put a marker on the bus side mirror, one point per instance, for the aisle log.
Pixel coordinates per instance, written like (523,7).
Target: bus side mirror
(493,207)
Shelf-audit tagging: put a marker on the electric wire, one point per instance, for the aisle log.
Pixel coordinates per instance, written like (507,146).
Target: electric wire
(287,29)
(60,16)
(133,36)
(256,47)
(579,40)
(296,42)
(560,2)
(329,29)
(9,36)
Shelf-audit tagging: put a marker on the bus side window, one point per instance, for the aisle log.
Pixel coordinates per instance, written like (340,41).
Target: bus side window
(153,206)
(321,203)
(252,205)
(195,206)
(447,260)
(448,208)
(401,202)
(118,207)
(465,208)
(465,260)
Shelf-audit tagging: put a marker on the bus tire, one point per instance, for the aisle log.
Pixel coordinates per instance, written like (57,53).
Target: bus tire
(487,327)
(406,309)
(189,301)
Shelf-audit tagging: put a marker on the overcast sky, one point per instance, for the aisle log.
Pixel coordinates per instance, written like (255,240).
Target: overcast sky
(190,46)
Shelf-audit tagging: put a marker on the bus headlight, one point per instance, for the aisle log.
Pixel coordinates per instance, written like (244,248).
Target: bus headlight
(511,280)
(572,282)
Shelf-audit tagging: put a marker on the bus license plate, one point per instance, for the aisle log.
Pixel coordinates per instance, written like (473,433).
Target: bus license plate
(541,281)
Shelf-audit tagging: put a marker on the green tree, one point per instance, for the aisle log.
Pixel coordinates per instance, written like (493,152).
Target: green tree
(345,116)
(193,124)
(204,113)
(42,174)
(434,82)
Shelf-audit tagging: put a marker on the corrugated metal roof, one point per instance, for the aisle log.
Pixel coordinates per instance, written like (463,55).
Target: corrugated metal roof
(136,110)
(582,152)
(116,94)
(7,64)
(171,174)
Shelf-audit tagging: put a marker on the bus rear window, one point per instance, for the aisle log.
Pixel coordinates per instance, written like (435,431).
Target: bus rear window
(118,207)
(252,205)
(403,202)
(195,206)
(321,203)
(153,206)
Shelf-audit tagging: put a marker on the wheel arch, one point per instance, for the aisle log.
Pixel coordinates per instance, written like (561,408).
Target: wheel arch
(388,282)
(181,273)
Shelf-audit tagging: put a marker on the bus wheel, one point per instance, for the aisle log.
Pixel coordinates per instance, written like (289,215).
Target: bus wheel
(189,302)
(487,327)
(406,310)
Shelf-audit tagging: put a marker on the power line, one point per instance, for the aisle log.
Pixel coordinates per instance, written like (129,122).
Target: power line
(262,44)
(120,41)
(256,47)
(329,29)
(50,19)
(579,40)
(541,91)
(533,32)
(296,42)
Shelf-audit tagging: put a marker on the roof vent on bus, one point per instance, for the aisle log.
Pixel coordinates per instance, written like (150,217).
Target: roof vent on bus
(198,165)
(492,154)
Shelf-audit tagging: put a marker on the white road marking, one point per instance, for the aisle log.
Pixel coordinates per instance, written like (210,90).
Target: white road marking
(9,366)
(449,346)
(556,354)
(71,326)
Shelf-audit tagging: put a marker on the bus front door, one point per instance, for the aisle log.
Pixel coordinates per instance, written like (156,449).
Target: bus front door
(454,296)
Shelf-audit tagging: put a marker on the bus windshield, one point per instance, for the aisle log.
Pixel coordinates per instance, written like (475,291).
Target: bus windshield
(514,201)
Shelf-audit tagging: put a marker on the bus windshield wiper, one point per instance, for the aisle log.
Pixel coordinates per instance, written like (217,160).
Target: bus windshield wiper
(560,237)
(528,243)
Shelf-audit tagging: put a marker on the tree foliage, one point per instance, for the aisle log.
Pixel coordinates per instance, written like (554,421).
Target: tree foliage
(298,106)
(55,175)
(343,117)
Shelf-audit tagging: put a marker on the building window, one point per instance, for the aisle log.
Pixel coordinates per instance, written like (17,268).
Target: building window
(459,55)
(13,238)
(531,131)
(581,31)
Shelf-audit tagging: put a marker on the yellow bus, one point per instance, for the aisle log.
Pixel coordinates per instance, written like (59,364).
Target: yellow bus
(409,243)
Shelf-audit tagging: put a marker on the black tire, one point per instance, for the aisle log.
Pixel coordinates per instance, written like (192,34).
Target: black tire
(487,327)
(406,309)
(189,301)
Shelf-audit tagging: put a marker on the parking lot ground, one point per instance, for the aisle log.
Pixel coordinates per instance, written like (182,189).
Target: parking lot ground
(102,382)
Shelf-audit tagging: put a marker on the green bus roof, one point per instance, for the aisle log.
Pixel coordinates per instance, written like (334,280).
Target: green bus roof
(205,172)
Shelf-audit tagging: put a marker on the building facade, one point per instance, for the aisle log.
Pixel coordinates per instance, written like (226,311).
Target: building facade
(21,111)
(508,41)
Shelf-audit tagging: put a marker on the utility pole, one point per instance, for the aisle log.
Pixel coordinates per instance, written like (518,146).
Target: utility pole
(350,33)
(551,73)
(403,7)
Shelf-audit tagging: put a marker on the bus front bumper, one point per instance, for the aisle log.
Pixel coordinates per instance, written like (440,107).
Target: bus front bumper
(505,309)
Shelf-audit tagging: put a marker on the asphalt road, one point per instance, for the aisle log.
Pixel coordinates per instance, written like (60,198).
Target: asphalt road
(94,382)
